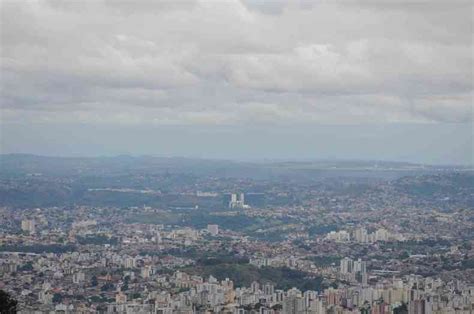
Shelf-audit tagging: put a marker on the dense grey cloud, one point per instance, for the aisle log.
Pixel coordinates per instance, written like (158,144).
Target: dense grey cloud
(236,62)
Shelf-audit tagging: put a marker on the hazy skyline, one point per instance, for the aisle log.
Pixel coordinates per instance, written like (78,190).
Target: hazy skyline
(239,79)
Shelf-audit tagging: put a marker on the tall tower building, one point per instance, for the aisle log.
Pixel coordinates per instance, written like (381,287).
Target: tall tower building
(28,225)
(346,265)
(213,229)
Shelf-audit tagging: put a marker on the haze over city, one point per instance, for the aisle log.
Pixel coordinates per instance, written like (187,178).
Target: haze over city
(236,157)
(389,80)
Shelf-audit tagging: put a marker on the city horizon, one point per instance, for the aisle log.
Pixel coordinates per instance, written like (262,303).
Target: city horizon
(236,157)
(244,160)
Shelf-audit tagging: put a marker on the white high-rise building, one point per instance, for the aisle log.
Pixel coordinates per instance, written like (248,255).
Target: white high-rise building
(158,238)
(255,286)
(146,271)
(28,225)
(78,278)
(120,298)
(45,297)
(213,229)
(360,266)
(339,236)
(129,262)
(237,200)
(361,236)
(268,289)
(381,235)
(346,265)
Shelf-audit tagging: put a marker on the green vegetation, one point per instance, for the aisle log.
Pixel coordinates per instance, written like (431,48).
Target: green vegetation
(38,248)
(160,218)
(26,267)
(201,219)
(402,309)
(94,281)
(135,295)
(7,303)
(468,264)
(245,274)
(57,298)
(323,229)
(97,240)
(212,261)
(107,287)
(326,260)
(270,236)
(100,299)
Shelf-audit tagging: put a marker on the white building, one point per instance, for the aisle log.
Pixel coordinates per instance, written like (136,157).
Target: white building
(129,262)
(237,200)
(360,266)
(28,225)
(361,236)
(381,235)
(213,229)
(346,265)
(78,278)
(340,236)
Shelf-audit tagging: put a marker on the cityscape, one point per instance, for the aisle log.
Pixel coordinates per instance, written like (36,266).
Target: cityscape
(380,241)
(236,157)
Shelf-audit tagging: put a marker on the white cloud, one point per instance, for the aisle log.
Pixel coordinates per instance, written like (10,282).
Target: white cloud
(197,62)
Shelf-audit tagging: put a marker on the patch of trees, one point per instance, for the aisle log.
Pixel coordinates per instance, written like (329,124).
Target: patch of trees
(8,305)
(38,248)
(245,274)
(97,240)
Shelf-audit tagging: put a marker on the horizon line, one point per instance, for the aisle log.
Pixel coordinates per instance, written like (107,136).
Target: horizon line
(243,160)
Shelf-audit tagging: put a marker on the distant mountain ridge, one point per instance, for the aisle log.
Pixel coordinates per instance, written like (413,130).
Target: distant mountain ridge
(26,163)
(173,182)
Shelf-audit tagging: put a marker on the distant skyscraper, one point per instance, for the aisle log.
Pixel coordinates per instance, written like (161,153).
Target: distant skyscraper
(28,225)
(255,287)
(360,266)
(346,266)
(158,238)
(381,235)
(120,298)
(145,272)
(129,262)
(213,229)
(268,289)
(78,278)
(420,307)
(360,235)
(235,200)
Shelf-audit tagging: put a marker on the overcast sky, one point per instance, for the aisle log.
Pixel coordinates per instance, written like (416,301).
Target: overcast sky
(345,79)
